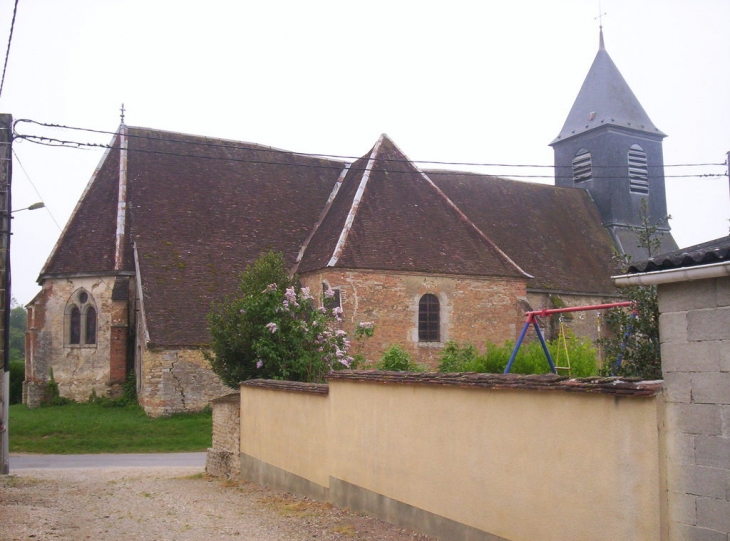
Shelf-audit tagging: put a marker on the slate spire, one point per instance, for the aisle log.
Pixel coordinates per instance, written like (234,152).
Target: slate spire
(605,99)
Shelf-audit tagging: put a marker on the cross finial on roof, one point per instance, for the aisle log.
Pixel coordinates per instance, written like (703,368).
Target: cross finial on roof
(601,13)
(122,113)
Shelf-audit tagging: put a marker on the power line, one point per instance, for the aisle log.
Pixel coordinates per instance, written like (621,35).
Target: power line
(7,53)
(36,190)
(220,144)
(53,142)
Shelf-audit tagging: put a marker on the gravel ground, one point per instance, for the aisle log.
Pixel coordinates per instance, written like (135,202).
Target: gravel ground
(169,504)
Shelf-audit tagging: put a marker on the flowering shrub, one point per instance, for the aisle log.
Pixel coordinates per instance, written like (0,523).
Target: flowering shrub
(273,330)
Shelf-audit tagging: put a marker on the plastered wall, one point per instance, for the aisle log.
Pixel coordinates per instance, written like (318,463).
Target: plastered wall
(464,463)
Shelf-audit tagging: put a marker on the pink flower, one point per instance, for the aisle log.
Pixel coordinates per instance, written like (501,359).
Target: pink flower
(270,288)
(329,293)
(273,327)
(260,363)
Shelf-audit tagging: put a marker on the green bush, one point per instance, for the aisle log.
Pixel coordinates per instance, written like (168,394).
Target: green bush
(273,329)
(530,358)
(397,359)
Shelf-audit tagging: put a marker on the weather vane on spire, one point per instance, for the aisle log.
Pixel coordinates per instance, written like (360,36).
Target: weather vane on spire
(122,113)
(601,13)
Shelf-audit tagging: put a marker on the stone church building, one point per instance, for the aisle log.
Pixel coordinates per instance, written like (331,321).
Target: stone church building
(168,222)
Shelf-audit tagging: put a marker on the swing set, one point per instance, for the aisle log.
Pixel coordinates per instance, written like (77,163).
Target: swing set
(532,320)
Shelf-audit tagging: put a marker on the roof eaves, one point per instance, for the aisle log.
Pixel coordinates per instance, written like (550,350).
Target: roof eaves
(140,294)
(355,204)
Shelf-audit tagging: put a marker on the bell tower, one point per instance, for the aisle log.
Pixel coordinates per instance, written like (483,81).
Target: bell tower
(611,148)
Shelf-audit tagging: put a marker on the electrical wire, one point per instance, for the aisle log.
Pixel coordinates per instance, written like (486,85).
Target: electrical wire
(27,176)
(53,142)
(7,53)
(220,144)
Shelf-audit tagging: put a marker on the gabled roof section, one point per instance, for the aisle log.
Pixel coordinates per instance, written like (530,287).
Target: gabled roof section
(201,210)
(554,234)
(86,245)
(389,216)
(605,99)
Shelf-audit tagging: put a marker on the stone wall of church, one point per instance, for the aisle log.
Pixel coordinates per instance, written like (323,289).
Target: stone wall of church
(471,309)
(175,380)
(78,369)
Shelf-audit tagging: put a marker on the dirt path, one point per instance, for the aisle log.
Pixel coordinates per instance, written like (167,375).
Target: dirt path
(169,504)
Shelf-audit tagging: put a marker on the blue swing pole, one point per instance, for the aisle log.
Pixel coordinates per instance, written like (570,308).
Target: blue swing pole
(531,320)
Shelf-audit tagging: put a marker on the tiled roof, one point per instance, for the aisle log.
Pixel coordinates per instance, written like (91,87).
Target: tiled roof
(706,253)
(554,234)
(200,210)
(388,216)
(88,241)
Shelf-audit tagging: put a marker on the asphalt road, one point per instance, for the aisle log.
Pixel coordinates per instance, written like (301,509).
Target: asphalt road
(141,460)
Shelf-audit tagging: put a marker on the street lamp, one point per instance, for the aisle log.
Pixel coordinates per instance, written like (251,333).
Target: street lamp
(4,447)
(34,206)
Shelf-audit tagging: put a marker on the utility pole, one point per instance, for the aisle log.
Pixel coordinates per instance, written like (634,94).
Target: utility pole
(6,172)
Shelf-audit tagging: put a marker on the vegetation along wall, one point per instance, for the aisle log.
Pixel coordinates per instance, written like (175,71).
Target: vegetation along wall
(465,456)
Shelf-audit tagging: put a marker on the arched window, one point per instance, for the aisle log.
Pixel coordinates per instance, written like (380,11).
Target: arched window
(91,325)
(582,166)
(429,319)
(638,170)
(81,319)
(75,331)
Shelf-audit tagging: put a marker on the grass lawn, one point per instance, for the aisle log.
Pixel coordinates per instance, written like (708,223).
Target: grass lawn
(92,428)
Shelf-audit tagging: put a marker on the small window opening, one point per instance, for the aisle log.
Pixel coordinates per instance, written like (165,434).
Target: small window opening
(429,320)
(330,296)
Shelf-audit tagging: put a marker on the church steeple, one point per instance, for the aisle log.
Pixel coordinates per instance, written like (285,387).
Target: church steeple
(605,99)
(610,147)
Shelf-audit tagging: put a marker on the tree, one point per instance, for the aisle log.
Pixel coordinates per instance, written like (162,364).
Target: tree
(635,349)
(18,318)
(273,330)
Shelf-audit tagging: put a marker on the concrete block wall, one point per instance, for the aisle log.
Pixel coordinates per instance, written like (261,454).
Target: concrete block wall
(695,333)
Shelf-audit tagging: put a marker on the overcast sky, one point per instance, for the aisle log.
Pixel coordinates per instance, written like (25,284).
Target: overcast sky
(488,81)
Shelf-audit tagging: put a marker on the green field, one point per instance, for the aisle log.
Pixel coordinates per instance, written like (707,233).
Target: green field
(93,428)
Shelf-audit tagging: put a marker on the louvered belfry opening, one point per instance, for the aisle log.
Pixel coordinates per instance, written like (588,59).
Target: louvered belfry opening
(582,166)
(429,321)
(638,171)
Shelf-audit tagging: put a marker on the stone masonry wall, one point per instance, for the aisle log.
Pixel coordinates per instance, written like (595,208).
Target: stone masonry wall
(695,334)
(78,370)
(176,380)
(222,459)
(472,309)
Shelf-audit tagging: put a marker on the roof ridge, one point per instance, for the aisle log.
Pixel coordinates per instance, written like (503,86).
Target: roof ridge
(355,203)
(234,141)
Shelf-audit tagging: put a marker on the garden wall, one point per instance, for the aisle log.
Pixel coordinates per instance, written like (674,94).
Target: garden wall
(465,456)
